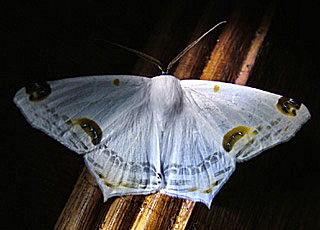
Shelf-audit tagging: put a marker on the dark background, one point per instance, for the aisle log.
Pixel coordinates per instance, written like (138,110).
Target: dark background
(58,40)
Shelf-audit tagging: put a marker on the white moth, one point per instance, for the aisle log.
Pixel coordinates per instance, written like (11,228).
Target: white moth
(141,135)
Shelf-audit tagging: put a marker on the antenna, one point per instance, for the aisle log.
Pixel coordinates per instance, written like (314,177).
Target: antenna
(156,61)
(192,44)
(140,54)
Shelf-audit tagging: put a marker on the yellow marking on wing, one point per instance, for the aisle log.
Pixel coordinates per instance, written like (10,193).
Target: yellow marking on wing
(90,127)
(116,82)
(288,106)
(234,135)
(216,88)
(109,185)
(208,190)
(193,189)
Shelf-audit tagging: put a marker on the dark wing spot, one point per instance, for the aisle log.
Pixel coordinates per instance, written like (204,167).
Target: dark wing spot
(288,106)
(91,128)
(234,135)
(38,91)
(109,184)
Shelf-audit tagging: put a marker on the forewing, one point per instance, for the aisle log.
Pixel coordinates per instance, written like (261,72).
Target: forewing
(247,120)
(104,117)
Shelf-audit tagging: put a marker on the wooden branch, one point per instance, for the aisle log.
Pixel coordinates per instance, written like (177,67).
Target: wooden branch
(236,49)
(83,202)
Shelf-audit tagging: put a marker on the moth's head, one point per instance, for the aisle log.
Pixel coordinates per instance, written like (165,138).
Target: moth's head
(165,82)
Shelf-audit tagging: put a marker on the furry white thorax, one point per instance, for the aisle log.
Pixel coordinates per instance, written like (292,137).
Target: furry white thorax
(165,97)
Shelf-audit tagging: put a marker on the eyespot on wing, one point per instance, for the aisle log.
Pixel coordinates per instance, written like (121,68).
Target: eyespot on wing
(234,135)
(288,106)
(90,127)
(38,91)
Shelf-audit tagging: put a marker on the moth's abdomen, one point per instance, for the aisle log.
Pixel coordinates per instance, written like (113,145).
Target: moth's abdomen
(165,96)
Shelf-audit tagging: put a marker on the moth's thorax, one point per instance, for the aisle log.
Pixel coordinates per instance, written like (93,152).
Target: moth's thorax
(165,96)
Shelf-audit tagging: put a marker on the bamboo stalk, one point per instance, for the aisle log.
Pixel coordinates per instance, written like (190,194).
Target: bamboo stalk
(83,201)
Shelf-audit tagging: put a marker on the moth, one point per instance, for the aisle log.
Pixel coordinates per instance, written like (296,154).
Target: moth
(142,135)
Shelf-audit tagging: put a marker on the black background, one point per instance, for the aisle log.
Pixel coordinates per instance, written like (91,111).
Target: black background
(48,41)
